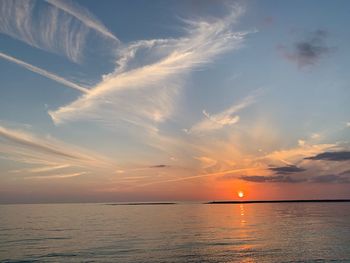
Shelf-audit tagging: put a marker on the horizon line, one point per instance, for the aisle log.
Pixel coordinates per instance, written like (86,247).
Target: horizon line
(188,201)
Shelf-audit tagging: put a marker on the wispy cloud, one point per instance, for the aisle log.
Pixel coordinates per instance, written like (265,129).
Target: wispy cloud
(198,176)
(61,27)
(44,27)
(152,89)
(42,169)
(56,176)
(83,15)
(206,162)
(222,119)
(47,154)
(28,141)
(297,154)
(44,73)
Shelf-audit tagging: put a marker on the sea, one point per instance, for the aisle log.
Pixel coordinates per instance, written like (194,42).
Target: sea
(182,232)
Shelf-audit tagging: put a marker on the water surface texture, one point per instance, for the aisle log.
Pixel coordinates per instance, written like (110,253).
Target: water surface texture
(296,232)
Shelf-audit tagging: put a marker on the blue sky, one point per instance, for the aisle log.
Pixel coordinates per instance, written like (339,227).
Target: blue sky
(165,100)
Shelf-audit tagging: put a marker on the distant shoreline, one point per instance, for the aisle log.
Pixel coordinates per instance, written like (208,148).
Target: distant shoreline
(158,203)
(280,201)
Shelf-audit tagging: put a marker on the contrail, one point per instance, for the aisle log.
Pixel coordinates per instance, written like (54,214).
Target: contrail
(84,17)
(57,176)
(44,73)
(199,176)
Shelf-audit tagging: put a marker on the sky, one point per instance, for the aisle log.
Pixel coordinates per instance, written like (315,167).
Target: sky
(174,100)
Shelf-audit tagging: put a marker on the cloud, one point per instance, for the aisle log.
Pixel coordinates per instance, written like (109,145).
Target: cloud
(206,162)
(146,95)
(84,16)
(289,172)
(315,136)
(346,173)
(140,52)
(43,26)
(301,142)
(331,156)
(29,142)
(198,176)
(272,179)
(287,169)
(141,168)
(42,169)
(314,172)
(61,27)
(342,177)
(44,73)
(309,51)
(47,154)
(294,155)
(159,166)
(56,176)
(222,119)
(331,178)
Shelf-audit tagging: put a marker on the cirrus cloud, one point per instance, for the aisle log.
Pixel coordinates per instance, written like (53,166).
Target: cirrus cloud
(152,89)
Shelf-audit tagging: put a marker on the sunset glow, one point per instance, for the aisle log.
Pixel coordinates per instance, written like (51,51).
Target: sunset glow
(240,194)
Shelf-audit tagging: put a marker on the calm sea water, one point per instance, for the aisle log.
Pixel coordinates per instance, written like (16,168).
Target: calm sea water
(299,232)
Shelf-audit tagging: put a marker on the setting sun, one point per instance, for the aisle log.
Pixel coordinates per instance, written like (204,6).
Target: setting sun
(240,194)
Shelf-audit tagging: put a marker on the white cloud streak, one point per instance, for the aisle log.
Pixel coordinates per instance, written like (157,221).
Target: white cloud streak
(48,154)
(141,92)
(84,16)
(42,169)
(222,119)
(60,27)
(56,176)
(206,162)
(295,155)
(147,94)
(199,176)
(44,73)
(43,27)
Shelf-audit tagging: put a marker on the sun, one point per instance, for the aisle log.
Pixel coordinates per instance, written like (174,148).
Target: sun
(240,194)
